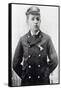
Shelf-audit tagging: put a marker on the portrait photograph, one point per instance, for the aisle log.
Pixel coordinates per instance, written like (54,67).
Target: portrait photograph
(34,44)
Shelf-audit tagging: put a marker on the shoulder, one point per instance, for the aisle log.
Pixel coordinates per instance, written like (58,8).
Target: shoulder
(47,39)
(23,38)
(46,36)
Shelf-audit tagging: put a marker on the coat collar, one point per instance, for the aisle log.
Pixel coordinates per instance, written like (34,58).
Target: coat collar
(32,40)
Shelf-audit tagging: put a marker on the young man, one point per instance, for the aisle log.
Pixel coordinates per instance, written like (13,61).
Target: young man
(33,50)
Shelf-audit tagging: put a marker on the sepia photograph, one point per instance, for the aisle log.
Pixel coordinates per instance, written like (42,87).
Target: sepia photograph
(34,44)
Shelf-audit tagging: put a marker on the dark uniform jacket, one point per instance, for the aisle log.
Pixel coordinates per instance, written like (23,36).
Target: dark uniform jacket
(33,52)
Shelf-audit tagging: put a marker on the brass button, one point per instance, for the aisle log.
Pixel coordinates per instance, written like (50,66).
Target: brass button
(29,77)
(38,65)
(29,66)
(38,76)
(40,36)
(28,36)
(29,56)
(39,55)
(29,45)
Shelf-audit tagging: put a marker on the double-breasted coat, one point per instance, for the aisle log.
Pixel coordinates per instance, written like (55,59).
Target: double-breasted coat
(30,59)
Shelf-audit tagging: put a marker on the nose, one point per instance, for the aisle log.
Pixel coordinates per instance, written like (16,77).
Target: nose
(36,22)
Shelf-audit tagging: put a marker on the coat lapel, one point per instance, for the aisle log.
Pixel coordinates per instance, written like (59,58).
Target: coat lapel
(32,40)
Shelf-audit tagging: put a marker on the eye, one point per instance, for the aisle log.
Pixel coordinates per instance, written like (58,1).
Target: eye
(33,19)
(37,18)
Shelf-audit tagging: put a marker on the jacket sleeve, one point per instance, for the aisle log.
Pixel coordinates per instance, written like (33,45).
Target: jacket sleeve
(53,60)
(18,59)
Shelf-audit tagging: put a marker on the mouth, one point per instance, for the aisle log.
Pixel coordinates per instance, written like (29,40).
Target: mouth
(36,27)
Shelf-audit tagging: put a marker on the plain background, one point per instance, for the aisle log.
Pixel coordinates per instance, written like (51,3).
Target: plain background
(4,44)
(49,25)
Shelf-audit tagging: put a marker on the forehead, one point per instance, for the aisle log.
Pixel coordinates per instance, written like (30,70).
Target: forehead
(31,16)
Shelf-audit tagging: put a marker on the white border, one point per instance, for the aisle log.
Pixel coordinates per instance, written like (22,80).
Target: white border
(4,43)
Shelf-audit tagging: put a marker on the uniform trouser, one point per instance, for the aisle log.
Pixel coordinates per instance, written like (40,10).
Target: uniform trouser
(35,82)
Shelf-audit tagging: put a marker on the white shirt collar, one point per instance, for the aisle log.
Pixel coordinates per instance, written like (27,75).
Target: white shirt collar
(35,33)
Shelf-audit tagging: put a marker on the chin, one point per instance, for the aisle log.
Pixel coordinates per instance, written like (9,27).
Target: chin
(36,30)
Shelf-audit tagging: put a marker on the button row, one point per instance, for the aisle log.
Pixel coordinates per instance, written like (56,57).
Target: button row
(30,66)
(30,55)
(31,77)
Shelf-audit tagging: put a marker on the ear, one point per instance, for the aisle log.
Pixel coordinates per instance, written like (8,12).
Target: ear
(27,21)
(40,19)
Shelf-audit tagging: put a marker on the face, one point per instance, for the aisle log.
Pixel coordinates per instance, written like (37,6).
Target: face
(34,22)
